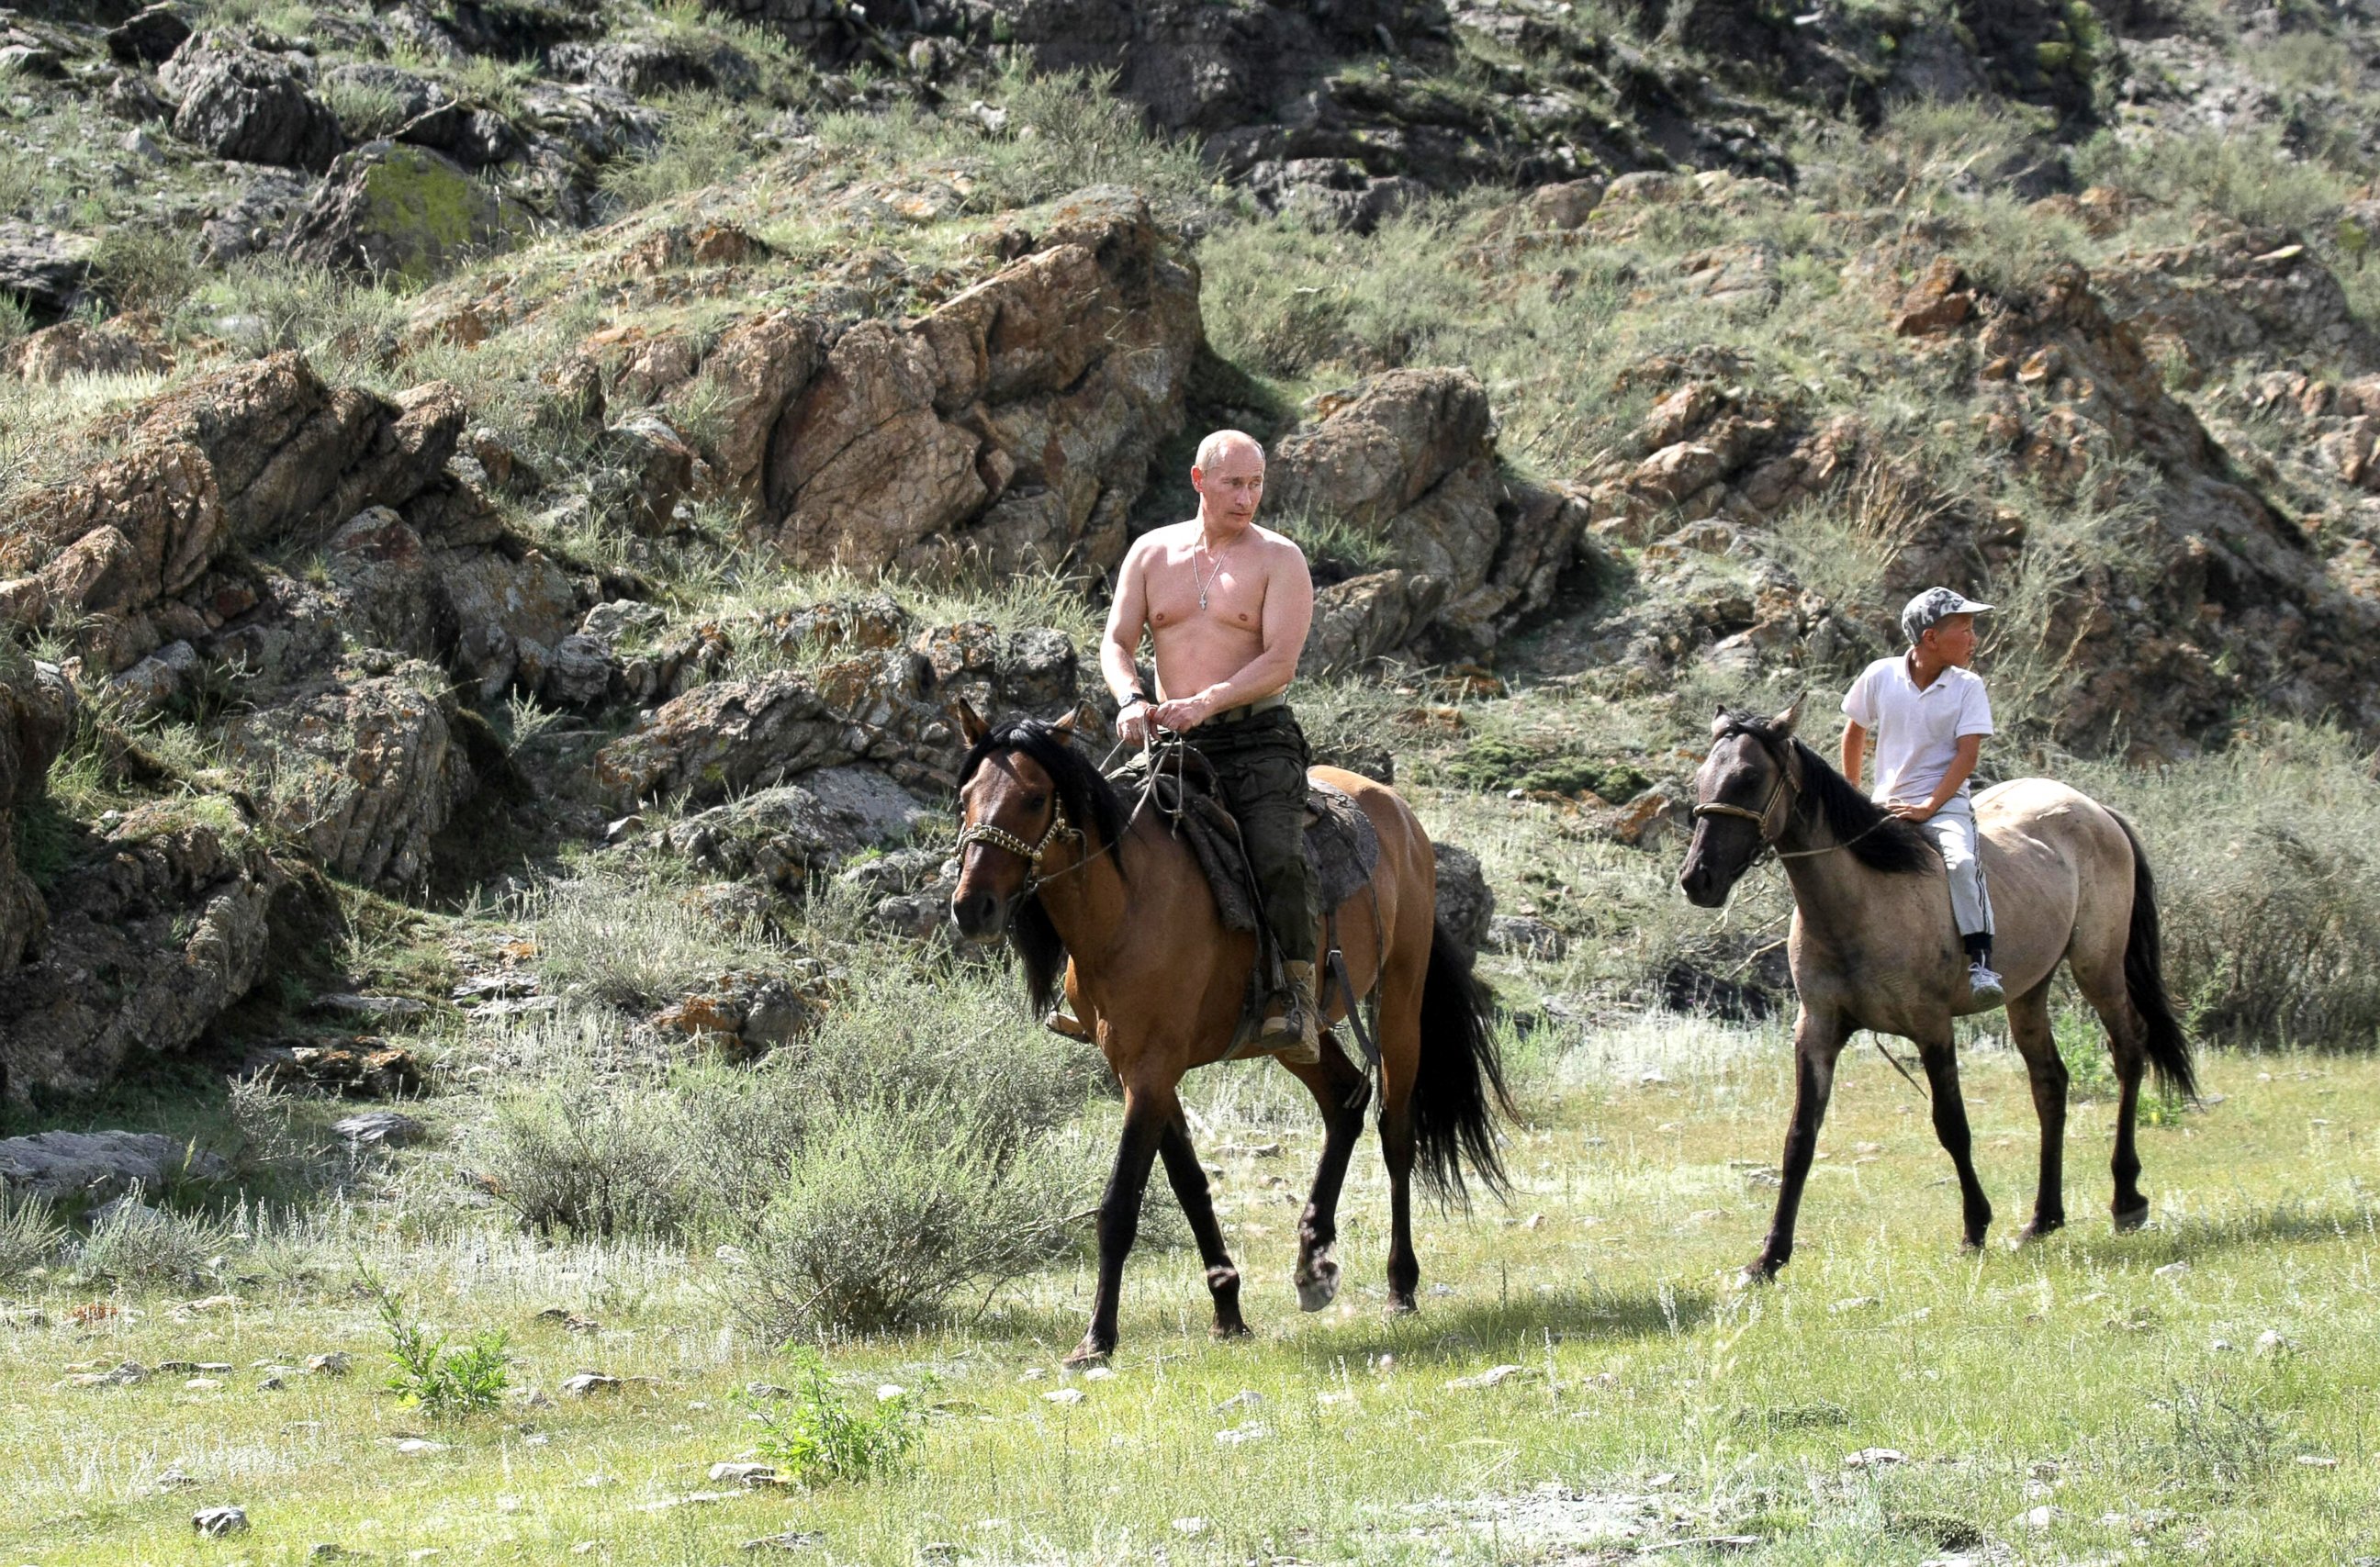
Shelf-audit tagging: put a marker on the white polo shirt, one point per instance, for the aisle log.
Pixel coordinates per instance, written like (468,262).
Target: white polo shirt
(1917,732)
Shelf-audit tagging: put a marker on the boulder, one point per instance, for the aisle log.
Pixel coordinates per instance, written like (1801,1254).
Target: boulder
(183,914)
(391,209)
(249,105)
(1409,458)
(44,269)
(98,1167)
(74,347)
(363,773)
(887,707)
(148,37)
(1011,426)
(780,836)
(255,220)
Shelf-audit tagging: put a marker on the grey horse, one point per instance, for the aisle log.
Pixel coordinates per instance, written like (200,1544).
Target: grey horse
(1874,946)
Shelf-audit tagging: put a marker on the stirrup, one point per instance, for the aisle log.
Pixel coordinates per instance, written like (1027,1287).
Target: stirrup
(1066,1026)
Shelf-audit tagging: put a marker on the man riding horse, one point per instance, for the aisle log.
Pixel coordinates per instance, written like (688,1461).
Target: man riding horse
(1227,605)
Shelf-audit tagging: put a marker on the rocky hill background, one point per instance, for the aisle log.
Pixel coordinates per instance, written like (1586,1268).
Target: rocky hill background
(500,495)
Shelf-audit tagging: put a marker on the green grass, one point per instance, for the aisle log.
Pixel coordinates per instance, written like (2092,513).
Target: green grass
(2071,1375)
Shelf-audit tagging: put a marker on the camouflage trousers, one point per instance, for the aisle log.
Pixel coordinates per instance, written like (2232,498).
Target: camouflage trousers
(1262,763)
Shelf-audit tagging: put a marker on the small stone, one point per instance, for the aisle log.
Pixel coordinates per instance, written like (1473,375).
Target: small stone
(1246,1398)
(2040,1517)
(1063,1395)
(203,1384)
(1253,1432)
(2270,1341)
(1490,1378)
(2172,1270)
(1189,1526)
(410,1446)
(1874,1458)
(2223,1346)
(744,1474)
(586,1384)
(2317,1460)
(792,1539)
(174,1480)
(334,1364)
(216,1523)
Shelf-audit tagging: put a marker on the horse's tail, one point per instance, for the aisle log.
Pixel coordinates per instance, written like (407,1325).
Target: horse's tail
(1459,1083)
(2169,1049)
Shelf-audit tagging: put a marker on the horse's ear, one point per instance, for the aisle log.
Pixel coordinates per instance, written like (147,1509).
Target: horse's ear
(1720,722)
(1784,722)
(971,725)
(1065,726)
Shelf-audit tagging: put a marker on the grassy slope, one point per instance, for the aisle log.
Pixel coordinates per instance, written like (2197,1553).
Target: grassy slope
(2072,1375)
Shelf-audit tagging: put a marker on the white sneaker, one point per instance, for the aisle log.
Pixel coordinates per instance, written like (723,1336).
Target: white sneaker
(1984,985)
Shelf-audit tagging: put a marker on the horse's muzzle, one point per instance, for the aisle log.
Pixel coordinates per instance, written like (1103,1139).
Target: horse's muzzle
(978,916)
(1702,889)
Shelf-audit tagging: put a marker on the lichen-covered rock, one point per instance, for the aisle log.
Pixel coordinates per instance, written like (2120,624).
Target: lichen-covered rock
(363,773)
(37,711)
(249,105)
(391,209)
(98,1167)
(778,836)
(1466,904)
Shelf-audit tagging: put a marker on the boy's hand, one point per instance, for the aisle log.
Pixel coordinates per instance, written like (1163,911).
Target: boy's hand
(1912,813)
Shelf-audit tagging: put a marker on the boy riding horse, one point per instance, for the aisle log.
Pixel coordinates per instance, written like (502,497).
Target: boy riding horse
(1228,604)
(1929,714)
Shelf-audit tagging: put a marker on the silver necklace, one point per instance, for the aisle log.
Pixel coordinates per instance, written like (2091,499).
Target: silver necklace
(1206,581)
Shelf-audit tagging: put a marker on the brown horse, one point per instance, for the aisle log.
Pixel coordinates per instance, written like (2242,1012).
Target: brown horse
(1053,855)
(1874,945)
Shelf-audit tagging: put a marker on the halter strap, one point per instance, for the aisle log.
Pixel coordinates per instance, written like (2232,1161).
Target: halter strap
(1759,819)
(1000,837)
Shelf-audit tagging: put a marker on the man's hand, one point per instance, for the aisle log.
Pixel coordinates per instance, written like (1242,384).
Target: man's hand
(1183,712)
(1131,722)
(1912,813)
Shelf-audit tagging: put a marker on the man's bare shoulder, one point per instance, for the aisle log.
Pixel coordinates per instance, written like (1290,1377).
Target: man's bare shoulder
(1280,547)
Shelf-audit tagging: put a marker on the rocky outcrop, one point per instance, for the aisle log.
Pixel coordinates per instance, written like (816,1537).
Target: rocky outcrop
(37,715)
(1012,426)
(247,105)
(889,707)
(149,942)
(779,836)
(364,774)
(390,209)
(73,347)
(143,549)
(1408,460)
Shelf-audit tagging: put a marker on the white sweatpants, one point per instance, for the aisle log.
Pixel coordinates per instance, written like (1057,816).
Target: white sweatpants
(1954,828)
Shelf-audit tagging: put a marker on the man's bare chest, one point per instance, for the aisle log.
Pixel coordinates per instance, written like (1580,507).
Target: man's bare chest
(1183,589)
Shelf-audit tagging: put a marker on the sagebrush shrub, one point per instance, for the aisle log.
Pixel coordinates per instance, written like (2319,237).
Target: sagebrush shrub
(30,1235)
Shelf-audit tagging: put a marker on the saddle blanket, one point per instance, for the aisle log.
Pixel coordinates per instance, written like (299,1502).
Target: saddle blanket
(1341,848)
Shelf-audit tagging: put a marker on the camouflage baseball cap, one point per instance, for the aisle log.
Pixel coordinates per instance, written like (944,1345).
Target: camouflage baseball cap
(1932,607)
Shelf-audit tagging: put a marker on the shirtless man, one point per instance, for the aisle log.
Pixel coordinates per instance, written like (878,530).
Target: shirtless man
(1227,604)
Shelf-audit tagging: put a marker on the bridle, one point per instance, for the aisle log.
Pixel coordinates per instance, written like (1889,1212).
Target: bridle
(1000,837)
(1787,792)
(1778,794)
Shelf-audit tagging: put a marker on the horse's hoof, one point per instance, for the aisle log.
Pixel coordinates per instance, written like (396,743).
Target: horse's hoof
(1224,1331)
(2040,1229)
(1317,1281)
(1087,1353)
(1402,1305)
(1761,1272)
(2131,1218)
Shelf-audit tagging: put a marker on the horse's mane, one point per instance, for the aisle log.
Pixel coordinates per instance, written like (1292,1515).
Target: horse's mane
(1092,804)
(1869,833)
